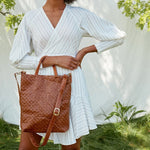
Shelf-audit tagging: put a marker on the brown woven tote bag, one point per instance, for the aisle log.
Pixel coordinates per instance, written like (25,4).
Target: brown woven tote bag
(44,102)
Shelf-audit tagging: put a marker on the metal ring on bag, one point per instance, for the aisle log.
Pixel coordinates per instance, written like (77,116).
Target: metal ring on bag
(56,112)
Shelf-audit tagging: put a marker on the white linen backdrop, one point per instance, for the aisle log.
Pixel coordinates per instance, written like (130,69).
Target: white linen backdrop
(121,73)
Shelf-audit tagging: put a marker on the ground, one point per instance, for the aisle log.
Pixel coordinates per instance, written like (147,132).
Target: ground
(111,136)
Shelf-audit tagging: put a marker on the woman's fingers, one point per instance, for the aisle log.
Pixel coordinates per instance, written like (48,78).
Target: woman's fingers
(73,66)
(68,62)
(75,61)
(74,58)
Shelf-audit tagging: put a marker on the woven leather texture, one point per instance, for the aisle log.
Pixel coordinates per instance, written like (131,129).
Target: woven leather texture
(37,99)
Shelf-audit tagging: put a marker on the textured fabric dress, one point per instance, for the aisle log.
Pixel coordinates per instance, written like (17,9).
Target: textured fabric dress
(37,35)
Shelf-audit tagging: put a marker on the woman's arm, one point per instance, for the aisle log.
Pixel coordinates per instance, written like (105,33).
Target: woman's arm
(27,62)
(20,55)
(67,62)
(107,33)
(89,49)
(84,51)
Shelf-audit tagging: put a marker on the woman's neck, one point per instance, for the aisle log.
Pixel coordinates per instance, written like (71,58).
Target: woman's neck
(54,4)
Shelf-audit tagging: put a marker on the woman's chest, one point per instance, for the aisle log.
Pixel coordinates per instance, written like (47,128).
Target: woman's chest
(66,29)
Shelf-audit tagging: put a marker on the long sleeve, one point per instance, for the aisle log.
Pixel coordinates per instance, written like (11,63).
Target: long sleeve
(105,32)
(20,55)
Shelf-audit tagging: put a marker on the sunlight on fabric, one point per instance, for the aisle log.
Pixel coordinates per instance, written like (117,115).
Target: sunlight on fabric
(120,73)
(27,4)
(106,68)
(148,105)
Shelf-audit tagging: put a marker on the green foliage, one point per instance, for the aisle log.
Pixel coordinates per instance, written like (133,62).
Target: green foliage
(137,8)
(10,138)
(119,136)
(8,134)
(106,137)
(111,136)
(131,8)
(8,129)
(125,113)
(7,4)
(12,21)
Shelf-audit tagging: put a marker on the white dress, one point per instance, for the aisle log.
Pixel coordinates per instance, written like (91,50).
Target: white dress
(36,34)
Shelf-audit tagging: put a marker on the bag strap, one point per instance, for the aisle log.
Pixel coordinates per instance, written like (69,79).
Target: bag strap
(56,113)
(40,62)
(15,74)
(57,105)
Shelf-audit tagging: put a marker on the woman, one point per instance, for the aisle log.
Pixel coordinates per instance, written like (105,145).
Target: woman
(56,30)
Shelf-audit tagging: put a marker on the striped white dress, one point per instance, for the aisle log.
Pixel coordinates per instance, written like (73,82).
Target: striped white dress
(37,34)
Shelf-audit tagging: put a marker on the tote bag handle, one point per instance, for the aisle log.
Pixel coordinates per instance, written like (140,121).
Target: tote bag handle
(40,62)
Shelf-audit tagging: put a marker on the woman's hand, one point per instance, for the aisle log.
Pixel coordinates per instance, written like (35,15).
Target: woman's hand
(67,62)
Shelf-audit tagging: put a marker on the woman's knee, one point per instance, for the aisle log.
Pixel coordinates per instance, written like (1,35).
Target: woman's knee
(75,146)
(25,143)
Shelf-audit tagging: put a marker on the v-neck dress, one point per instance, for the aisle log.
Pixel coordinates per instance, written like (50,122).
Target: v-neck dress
(37,36)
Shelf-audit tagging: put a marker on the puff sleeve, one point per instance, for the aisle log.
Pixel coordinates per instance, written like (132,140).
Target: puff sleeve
(107,33)
(20,55)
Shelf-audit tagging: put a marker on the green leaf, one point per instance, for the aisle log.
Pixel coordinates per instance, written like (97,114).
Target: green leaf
(135,113)
(136,8)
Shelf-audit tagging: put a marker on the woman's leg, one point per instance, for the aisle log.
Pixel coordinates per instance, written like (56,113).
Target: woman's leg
(75,146)
(25,143)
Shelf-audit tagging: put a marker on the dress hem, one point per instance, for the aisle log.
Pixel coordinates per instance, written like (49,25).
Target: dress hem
(78,136)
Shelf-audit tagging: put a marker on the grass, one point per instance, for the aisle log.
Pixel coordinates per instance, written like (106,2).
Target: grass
(111,136)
